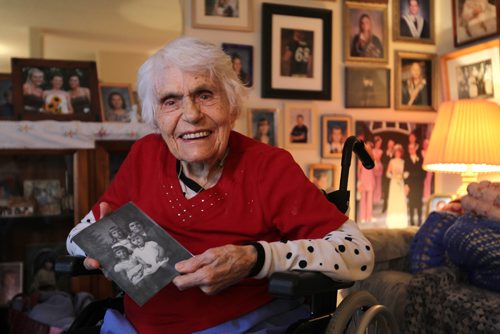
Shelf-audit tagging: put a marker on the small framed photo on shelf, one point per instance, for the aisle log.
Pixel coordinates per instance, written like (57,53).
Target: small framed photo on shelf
(415,81)
(469,73)
(413,21)
(11,283)
(322,175)
(6,106)
(263,125)
(296,52)
(300,125)
(55,89)
(222,15)
(436,202)
(367,87)
(334,131)
(242,59)
(475,20)
(46,194)
(117,103)
(366,32)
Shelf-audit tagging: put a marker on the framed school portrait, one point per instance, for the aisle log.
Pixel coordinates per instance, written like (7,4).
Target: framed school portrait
(334,131)
(242,60)
(300,125)
(263,125)
(117,103)
(322,175)
(413,21)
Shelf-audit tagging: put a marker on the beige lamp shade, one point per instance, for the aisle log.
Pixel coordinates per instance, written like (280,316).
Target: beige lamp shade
(465,138)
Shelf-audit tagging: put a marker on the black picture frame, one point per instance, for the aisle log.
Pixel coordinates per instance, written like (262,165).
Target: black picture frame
(479,27)
(38,109)
(367,87)
(311,81)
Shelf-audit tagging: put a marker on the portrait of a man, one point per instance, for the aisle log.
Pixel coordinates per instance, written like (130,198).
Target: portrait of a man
(414,20)
(297,53)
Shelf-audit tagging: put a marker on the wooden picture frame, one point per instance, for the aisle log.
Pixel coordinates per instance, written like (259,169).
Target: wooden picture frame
(7,111)
(300,125)
(263,125)
(474,22)
(335,129)
(117,103)
(357,15)
(470,72)
(296,52)
(75,96)
(322,175)
(378,205)
(405,29)
(11,281)
(234,15)
(415,81)
(367,87)
(242,59)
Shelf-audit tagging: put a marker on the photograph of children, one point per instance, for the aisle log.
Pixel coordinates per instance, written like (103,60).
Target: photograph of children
(334,131)
(367,87)
(300,130)
(135,252)
(47,195)
(475,19)
(6,106)
(117,103)
(242,59)
(11,281)
(366,32)
(475,80)
(416,82)
(395,192)
(322,175)
(225,8)
(262,125)
(297,53)
(414,20)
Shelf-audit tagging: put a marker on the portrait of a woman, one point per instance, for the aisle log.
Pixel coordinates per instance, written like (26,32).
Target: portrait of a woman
(80,96)
(116,109)
(33,91)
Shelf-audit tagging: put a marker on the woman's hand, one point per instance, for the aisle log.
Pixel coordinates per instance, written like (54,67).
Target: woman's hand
(90,263)
(216,269)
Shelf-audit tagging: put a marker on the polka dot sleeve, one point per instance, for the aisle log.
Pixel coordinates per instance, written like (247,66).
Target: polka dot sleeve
(73,248)
(343,254)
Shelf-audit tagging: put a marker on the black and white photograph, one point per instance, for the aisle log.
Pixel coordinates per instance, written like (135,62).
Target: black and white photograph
(46,194)
(475,80)
(135,252)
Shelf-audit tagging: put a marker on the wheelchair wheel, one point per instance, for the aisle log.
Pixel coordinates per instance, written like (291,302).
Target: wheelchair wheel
(354,316)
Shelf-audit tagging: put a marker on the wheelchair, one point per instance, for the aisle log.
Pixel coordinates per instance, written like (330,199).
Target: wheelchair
(359,312)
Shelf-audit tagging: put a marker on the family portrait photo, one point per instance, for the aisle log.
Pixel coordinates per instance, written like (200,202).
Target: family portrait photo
(475,80)
(262,125)
(395,192)
(242,59)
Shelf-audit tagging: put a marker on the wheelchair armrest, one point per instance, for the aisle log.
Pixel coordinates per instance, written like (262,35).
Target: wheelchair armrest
(303,283)
(73,266)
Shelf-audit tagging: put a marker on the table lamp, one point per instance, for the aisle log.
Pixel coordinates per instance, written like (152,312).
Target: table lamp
(465,140)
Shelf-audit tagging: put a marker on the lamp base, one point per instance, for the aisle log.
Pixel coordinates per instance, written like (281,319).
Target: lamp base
(467,178)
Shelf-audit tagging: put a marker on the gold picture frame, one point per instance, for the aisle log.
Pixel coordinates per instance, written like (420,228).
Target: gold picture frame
(335,129)
(401,24)
(322,175)
(111,94)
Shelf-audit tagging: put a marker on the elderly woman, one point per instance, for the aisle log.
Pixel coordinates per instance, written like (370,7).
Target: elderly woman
(230,200)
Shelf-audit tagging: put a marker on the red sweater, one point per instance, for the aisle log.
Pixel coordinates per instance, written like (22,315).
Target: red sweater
(262,195)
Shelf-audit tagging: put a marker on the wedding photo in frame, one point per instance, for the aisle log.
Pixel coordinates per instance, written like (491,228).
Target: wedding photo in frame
(300,125)
(395,192)
(470,73)
(263,125)
(296,52)
(367,87)
(117,103)
(475,20)
(415,81)
(335,130)
(11,281)
(242,59)
(413,21)
(55,89)
(222,15)
(6,106)
(322,175)
(365,32)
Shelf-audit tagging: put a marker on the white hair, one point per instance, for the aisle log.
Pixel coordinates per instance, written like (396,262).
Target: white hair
(190,55)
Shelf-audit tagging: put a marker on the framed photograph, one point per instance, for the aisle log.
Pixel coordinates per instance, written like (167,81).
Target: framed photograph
(322,175)
(475,20)
(6,106)
(117,103)
(55,89)
(367,87)
(334,131)
(415,81)
(470,73)
(296,52)
(46,194)
(365,32)
(39,273)
(11,283)
(222,14)
(395,192)
(436,202)
(242,58)
(413,21)
(263,125)
(300,125)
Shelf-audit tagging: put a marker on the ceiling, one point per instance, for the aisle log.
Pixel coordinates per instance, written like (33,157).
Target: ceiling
(115,25)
